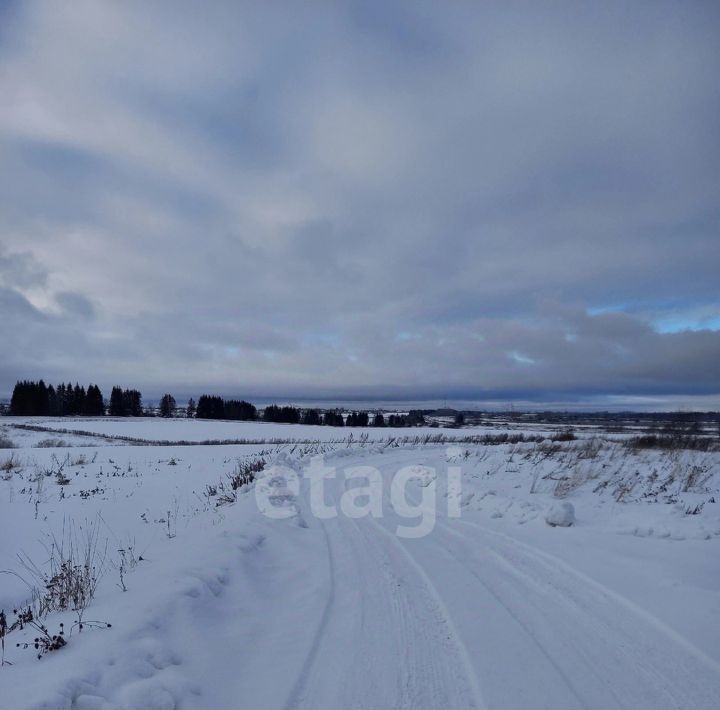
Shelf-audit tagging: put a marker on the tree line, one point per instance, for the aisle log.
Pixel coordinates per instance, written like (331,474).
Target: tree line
(213,407)
(38,399)
(293,415)
(125,403)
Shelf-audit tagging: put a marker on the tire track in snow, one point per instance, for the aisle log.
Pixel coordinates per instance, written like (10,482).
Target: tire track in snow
(525,627)
(443,614)
(580,629)
(385,638)
(629,663)
(425,665)
(432,592)
(556,565)
(297,694)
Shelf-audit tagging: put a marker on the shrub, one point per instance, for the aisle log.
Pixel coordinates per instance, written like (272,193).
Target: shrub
(9,465)
(69,578)
(66,582)
(44,642)
(51,444)
(243,475)
(672,441)
(565,435)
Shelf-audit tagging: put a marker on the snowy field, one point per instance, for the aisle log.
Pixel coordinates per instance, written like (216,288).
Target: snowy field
(455,592)
(197,431)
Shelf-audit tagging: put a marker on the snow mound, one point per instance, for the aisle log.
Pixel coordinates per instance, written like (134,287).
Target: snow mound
(560,515)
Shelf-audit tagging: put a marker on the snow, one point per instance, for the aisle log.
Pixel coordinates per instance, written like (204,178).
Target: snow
(495,608)
(561,515)
(160,430)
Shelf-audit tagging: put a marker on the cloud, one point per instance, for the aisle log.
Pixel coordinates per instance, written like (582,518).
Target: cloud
(75,304)
(362,198)
(20,269)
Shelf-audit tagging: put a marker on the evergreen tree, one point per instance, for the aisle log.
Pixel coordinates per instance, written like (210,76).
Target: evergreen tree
(379,420)
(271,413)
(357,419)
(78,399)
(190,409)
(415,417)
(396,420)
(60,397)
(30,399)
(333,419)
(94,404)
(116,403)
(214,407)
(68,403)
(242,410)
(210,407)
(285,415)
(312,417)
(132,403)
(19,402)
(40,398)
(53,403)
(167,406)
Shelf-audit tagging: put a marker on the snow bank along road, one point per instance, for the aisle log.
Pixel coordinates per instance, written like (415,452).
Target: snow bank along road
(343,613)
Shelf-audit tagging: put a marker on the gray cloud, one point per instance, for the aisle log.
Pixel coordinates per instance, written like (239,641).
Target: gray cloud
(75,304)
(20,269)
(492,199)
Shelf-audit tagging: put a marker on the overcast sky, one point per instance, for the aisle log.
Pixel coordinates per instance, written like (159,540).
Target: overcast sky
(502,200)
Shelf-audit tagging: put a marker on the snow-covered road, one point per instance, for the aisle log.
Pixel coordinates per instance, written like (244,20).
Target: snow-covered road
(468,617)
